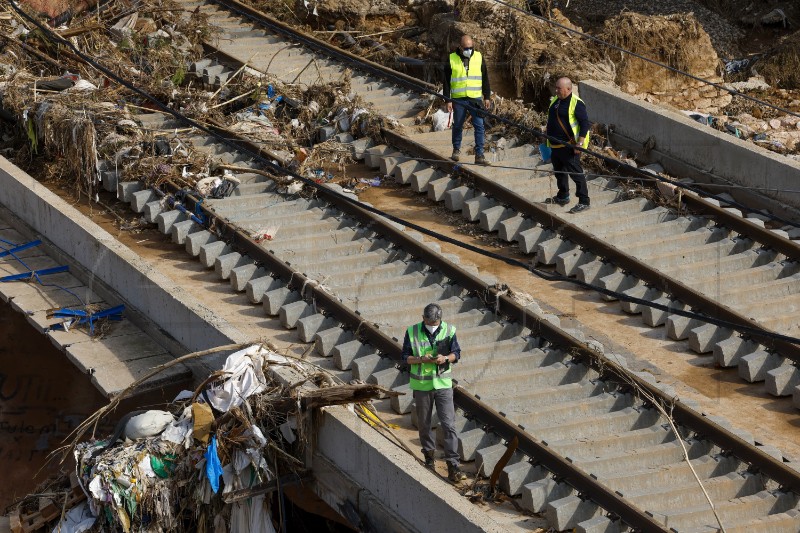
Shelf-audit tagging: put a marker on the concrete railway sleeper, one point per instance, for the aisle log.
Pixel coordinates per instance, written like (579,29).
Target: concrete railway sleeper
(523,378)
(631,246)
(624,244)
(574,474)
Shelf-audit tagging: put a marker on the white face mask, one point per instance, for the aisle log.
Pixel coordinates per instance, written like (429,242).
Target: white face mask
(430,329)
(467,52)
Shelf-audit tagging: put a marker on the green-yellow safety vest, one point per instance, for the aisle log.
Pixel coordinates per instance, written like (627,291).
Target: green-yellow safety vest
(463,85)
(423,375)
(573,122)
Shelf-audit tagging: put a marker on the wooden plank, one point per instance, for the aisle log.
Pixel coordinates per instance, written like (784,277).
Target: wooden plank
(95,354)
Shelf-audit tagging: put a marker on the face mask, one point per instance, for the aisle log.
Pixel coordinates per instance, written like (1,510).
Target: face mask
(430,329)
(467,52)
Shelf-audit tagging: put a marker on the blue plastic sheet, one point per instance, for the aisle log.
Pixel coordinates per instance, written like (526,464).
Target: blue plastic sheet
(545,152)
(213,466)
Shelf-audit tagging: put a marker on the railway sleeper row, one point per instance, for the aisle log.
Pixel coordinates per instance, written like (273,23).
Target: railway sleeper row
(723,265)
(728,267)
(603,428)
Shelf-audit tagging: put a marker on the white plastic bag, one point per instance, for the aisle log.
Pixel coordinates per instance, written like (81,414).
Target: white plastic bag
(441,120)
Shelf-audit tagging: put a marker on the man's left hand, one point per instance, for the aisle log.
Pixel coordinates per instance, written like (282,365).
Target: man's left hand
(487,103)
(442,359)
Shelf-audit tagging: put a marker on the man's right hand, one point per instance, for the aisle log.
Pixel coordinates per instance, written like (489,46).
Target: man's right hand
(449,107)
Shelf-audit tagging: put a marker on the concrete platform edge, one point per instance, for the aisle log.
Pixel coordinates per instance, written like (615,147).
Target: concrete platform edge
(148,291)
(685,145)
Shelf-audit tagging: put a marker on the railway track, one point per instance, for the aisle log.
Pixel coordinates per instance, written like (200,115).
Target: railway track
(595,452)
(709,258)
(329,272)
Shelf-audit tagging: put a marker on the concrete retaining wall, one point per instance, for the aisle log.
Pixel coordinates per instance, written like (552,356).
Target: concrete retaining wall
(686,147)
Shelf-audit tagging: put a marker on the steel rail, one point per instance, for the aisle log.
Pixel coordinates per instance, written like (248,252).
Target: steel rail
(788,478)
(504,305)
(388,347)
(560,225)
(682,414)
(409,82)
(742,225)
(626,262)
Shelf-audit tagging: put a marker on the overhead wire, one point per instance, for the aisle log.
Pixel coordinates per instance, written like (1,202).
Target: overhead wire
(747,329)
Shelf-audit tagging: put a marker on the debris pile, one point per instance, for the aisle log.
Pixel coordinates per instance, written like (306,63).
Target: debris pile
(211,461)
(682,44)
(724,35)
(781,66)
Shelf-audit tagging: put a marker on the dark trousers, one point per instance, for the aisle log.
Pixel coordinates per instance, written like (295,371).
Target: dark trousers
(473,106)
(567,164)
(443,399)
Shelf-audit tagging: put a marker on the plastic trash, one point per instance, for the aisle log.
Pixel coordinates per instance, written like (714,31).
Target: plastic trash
(441,120)
(294,187)
(733,130)
(77,520)
(374,182)
(148,424)
(245,375)
(163,466)
(546,152)
(213,465)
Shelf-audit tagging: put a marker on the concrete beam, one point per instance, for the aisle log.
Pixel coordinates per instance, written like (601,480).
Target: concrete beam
(423,500)
(685,147)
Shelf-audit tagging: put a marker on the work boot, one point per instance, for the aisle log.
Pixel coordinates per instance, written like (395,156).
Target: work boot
(558,201)
(454,473)
(456,154)
(579,208)
(428,459)
(481,160)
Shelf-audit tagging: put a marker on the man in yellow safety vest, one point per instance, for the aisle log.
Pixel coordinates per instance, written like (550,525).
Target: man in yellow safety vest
(568,123)
(430,347)
(466,82)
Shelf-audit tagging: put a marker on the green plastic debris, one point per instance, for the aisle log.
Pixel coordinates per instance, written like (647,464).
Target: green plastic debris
(163,467)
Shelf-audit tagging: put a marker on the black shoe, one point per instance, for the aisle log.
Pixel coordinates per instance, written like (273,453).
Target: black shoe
(481,160)
(579,208)
(456,154)
(454,473)
(558,201)
(428,459)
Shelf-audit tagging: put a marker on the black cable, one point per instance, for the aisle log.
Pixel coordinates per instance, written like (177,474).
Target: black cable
(732,92)
(269,164)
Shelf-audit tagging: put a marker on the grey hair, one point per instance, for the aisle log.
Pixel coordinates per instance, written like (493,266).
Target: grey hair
(432,312)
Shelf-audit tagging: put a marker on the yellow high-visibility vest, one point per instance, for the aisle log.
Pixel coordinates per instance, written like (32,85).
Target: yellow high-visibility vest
(466,83)
(573,122)
(424,376)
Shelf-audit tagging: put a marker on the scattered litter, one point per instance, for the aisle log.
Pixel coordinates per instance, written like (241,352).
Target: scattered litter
(209,469)
(373,182)
(294,187)
(441,120)
(77,520)
(546,152)
(147,424)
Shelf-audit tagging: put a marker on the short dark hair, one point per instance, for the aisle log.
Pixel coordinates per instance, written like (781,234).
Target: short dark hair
(432,312)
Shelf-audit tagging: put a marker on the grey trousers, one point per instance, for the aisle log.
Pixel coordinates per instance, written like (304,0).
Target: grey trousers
(443,398)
